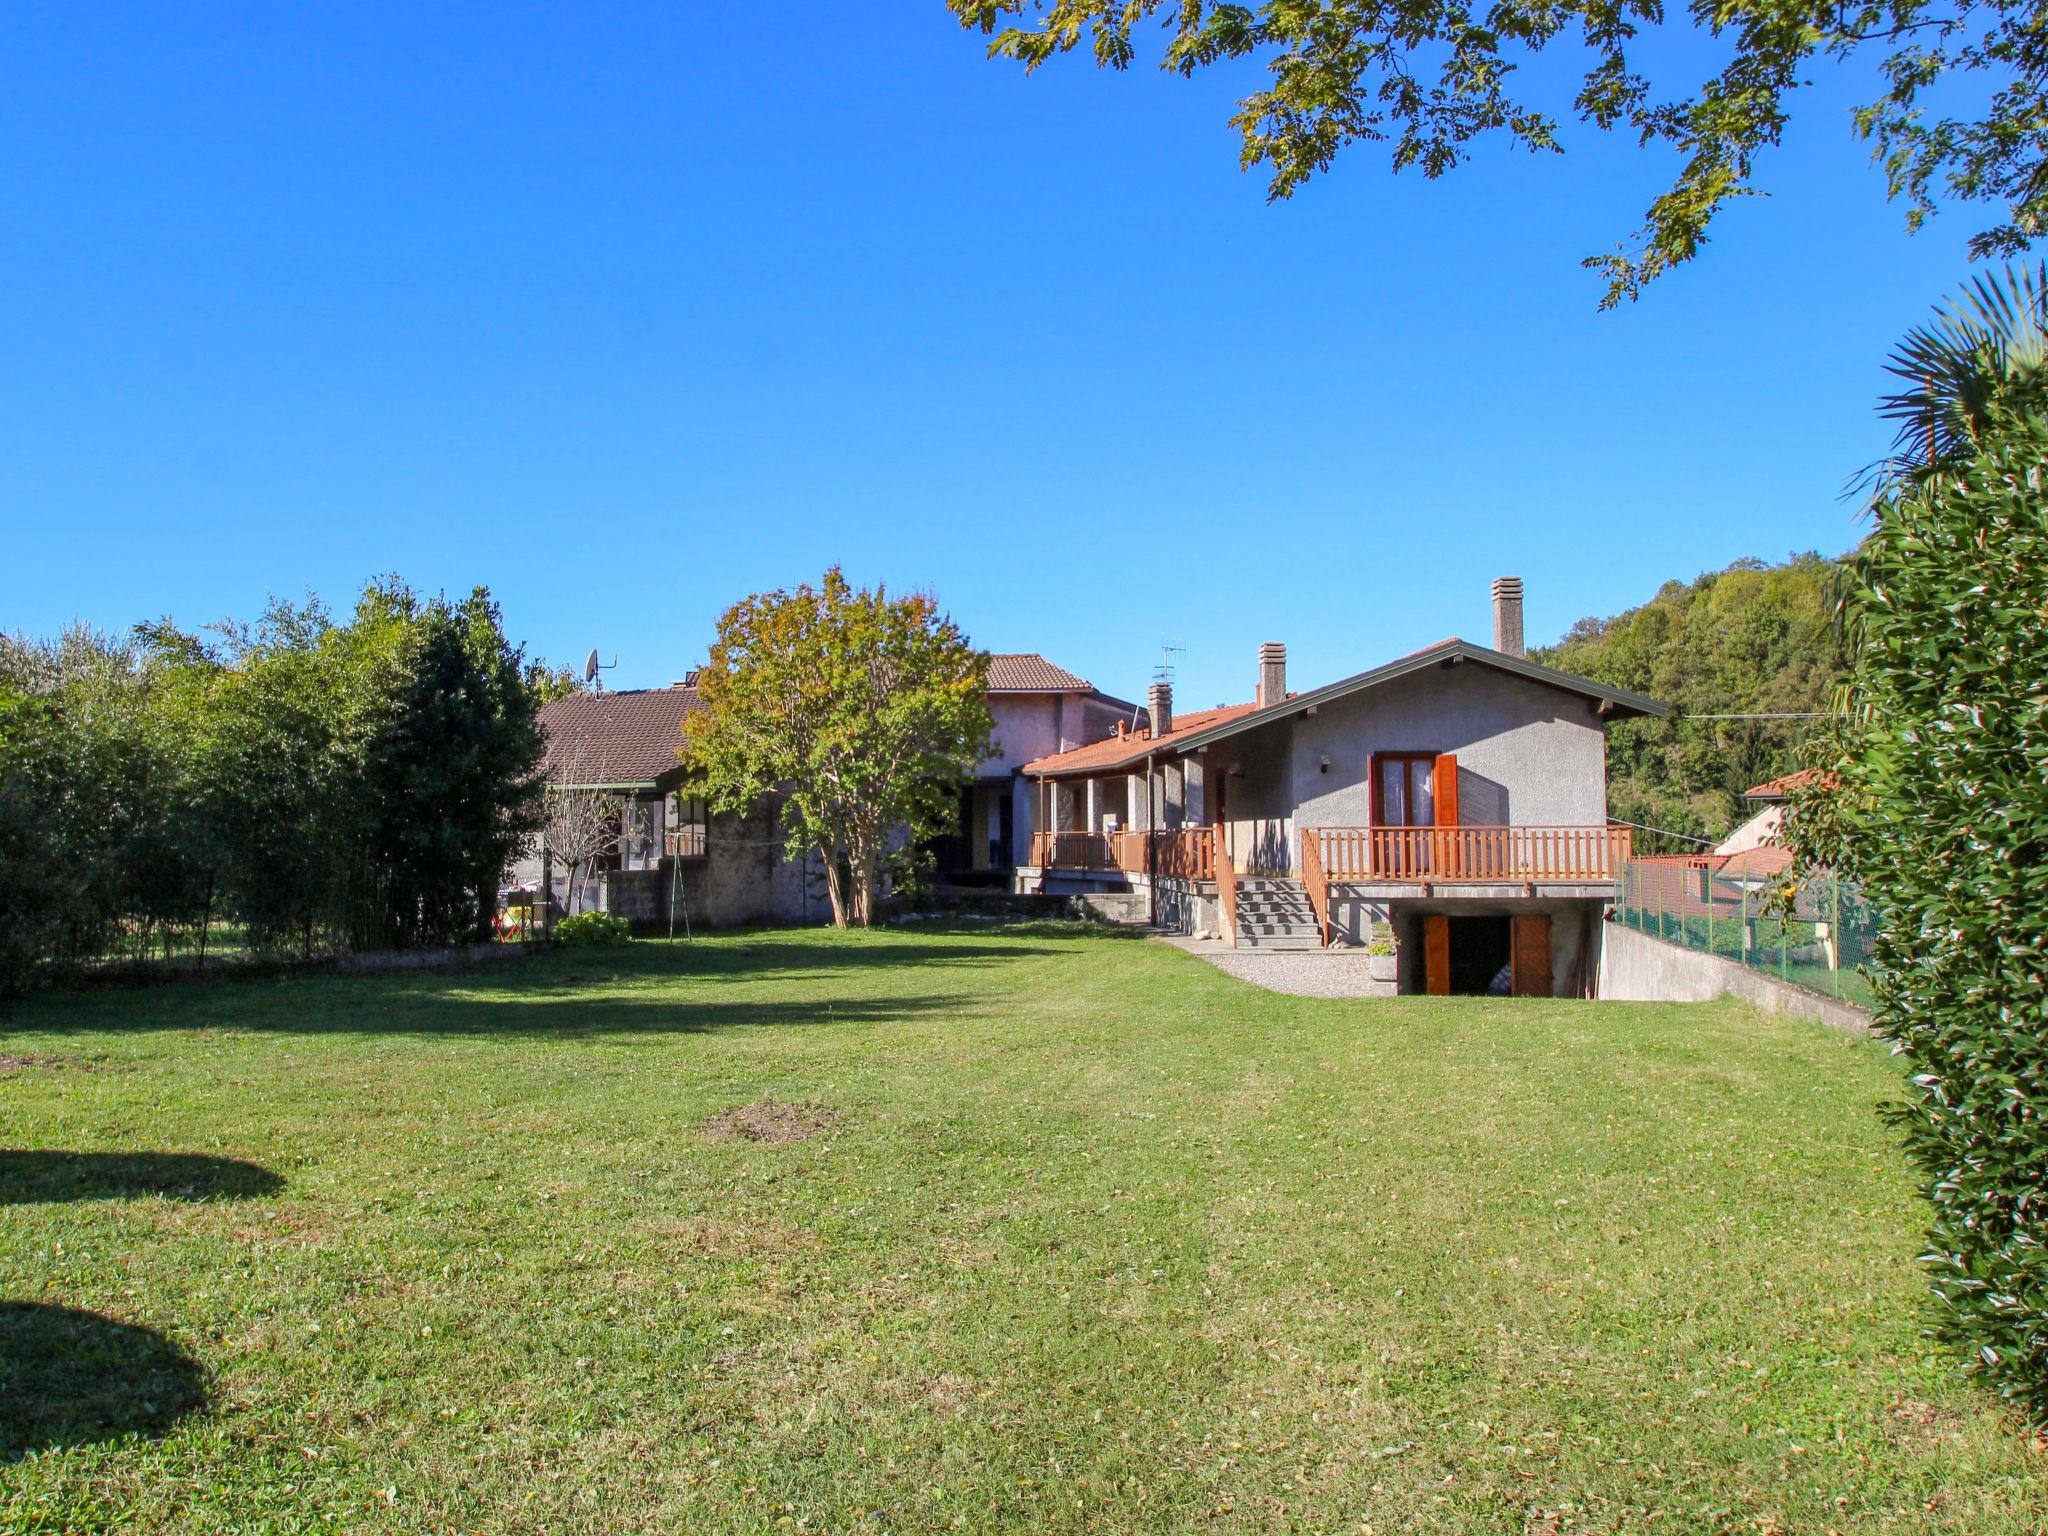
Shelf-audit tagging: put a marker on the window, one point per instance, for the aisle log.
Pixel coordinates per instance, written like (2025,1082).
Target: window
(1404,789)
(686,826)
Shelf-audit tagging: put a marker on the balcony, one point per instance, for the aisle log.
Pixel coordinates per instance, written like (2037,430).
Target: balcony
(685,842)
(1570,855)
(1187,853)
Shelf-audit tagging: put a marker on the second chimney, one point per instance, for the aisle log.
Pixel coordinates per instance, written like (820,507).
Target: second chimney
(1272,673)
(1507,615)
(1159,703)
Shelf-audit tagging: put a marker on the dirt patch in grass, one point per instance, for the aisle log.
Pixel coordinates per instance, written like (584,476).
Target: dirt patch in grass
(17,1061)
(731,1239)
(774,1123)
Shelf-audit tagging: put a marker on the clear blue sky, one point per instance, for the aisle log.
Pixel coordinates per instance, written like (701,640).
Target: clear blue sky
(627,311)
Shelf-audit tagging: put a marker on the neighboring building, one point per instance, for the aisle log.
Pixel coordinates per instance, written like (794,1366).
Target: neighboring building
(1755,845)
(723,869)
(1039,708)
(1455,798)
(672,856)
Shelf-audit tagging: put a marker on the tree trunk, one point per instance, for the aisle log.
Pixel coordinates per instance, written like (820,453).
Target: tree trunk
(835,885)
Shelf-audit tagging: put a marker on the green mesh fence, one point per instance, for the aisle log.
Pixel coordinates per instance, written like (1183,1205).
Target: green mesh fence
(1818,940)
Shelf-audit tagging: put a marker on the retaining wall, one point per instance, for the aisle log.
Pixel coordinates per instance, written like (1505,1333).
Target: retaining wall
(1634,967)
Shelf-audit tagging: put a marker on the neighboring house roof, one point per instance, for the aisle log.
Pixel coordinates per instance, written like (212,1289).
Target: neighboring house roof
(1782,789)
(1029,672)
(632,738)
(1194,731)
(1114,752)
(1758,863)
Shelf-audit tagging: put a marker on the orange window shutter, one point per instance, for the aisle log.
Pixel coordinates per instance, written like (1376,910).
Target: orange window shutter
(1436,954)
(1444,786)
(1531,956)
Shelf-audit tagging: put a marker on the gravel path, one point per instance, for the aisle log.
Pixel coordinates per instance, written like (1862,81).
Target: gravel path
(1296,972)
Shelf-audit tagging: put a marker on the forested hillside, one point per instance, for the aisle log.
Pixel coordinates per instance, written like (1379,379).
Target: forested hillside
(1753,639)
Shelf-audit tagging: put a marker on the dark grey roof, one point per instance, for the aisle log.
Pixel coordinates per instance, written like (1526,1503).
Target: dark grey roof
(1620,701)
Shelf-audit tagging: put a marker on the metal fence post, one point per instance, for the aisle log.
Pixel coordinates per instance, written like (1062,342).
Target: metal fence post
(1745,921)
(1835,936)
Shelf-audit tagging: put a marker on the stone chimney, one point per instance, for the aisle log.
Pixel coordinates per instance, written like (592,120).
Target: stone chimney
(1272,673)
(1159,703)
(1507,615)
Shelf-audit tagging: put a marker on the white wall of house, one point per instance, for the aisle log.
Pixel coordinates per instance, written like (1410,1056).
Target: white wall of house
(1759,831)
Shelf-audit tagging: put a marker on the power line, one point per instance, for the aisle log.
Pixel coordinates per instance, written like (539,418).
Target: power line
(1683,837)
(1802,714)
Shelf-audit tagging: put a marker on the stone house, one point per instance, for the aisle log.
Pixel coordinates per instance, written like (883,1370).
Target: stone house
(672,854)
(1453,801)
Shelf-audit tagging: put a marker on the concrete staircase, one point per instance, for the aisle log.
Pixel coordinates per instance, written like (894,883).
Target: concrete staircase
(1274,913)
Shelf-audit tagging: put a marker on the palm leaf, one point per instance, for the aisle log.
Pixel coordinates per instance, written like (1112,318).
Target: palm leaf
(1958,363)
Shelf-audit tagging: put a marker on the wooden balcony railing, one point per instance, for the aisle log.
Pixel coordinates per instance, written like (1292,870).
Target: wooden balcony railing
(685,842)
(1316,881)
(1188,853)
(1447,855)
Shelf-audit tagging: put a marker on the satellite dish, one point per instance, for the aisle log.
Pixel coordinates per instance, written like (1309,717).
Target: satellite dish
(590,666)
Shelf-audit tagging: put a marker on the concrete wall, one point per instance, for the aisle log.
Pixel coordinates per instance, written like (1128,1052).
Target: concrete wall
(1183,906)
(1634,967)
(1026,728)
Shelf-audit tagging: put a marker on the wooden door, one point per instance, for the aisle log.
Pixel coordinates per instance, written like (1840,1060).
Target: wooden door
(1529,948)
(1436,955)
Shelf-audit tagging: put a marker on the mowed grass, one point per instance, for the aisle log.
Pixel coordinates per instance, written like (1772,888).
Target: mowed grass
(1094,1238)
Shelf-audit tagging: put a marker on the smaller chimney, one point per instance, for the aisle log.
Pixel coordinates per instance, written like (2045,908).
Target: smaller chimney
(1159,703)
(1507,615)
(1272,673)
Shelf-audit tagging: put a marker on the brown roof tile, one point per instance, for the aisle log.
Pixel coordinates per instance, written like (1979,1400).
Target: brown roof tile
(1782,789)
(1029,672)
(1115,752)
(629,737)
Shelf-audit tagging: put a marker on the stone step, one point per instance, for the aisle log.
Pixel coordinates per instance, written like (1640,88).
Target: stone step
(1267,941)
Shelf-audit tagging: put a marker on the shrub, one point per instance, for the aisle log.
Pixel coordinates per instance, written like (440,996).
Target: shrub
(594,930)
(1937,797)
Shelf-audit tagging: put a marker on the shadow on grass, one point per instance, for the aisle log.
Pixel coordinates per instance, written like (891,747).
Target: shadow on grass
(76,1378)
(650,986)
(563,1005)
(49,1178)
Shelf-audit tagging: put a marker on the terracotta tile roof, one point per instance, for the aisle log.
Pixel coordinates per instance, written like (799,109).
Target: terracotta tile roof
(629,737)
(1784,788)
(1761,862)
(1029,672)
(1115,752)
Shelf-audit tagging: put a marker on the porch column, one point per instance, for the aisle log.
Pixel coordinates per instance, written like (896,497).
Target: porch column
(1092,809)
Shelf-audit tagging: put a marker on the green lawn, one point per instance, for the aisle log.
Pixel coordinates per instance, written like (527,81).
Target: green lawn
(1090,1238)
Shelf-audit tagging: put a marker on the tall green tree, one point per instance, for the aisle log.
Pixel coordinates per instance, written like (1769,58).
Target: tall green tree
(1936,798)
(1427,78)
(452,775)
(861,712)
(1753,639)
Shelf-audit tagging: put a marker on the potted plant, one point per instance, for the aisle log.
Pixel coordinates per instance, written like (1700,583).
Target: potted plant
(1382,955)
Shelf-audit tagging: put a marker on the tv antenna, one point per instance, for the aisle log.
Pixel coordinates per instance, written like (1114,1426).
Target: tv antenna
(592,666)
(1168,649)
